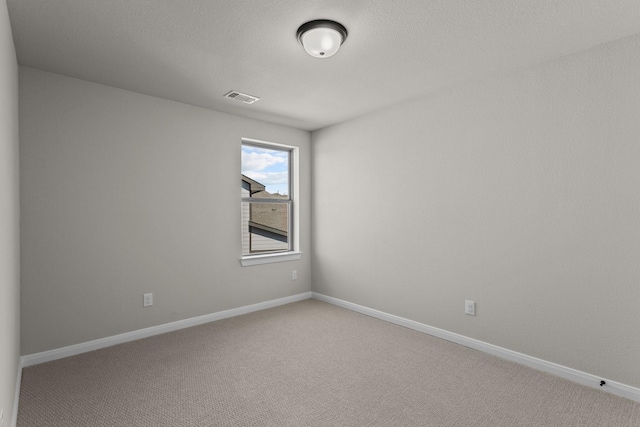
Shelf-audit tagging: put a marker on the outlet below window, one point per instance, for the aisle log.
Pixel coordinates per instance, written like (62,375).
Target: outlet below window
(148,300)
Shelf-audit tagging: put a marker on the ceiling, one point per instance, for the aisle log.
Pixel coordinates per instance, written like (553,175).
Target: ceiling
(195,51)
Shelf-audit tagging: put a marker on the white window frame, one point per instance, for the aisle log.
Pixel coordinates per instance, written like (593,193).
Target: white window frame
(294,221)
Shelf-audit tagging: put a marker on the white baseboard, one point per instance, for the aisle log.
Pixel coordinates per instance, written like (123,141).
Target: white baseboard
(72,350)
(16,396)
(571,374)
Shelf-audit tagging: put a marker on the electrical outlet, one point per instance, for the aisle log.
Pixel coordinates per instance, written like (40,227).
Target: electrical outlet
(294,274)
(148,300)
(470,308)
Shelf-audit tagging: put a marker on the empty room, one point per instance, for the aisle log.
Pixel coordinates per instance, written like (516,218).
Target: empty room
(319,213)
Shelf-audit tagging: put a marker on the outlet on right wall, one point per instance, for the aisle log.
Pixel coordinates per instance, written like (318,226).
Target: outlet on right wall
(521,193)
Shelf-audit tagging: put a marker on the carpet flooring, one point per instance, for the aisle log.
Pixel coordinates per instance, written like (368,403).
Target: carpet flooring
(305,364)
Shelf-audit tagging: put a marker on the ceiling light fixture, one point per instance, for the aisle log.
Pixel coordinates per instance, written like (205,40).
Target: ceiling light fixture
(322,38)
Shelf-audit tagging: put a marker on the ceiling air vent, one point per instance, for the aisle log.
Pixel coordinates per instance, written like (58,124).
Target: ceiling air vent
(238,96)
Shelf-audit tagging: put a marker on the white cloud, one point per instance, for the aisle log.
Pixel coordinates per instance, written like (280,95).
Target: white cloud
(269,178)
(268,167)
(254,161)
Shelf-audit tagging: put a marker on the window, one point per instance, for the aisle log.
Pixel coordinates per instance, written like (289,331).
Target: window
(268,203)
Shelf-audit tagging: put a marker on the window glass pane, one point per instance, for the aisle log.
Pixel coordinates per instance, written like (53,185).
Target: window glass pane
(265,177)
(267,170)
(265,227)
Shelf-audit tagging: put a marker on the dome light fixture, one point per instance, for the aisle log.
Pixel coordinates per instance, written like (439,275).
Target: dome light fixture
(322,38)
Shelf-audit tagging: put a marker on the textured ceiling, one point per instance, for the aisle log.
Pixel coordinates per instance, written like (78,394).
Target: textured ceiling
(197,50)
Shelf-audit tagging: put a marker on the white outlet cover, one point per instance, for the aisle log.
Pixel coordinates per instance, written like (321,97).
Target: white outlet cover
(148,300)
(470,307)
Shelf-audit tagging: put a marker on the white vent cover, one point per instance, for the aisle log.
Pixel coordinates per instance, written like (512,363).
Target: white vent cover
(238,96)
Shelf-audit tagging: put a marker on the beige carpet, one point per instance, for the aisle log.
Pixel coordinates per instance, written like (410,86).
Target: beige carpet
(305,364)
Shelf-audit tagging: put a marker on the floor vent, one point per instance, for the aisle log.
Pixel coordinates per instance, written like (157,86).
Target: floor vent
(238,96)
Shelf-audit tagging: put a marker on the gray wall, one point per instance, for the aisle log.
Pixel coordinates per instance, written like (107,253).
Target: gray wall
(124,194)
(9,218)
(521,193)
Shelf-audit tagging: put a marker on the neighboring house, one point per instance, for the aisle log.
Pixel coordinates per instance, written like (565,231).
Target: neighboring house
(264,225)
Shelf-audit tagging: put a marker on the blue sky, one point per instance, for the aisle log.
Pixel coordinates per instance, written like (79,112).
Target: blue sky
(268,167)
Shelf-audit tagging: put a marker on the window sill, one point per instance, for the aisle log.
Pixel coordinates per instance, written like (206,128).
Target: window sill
(250,260)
